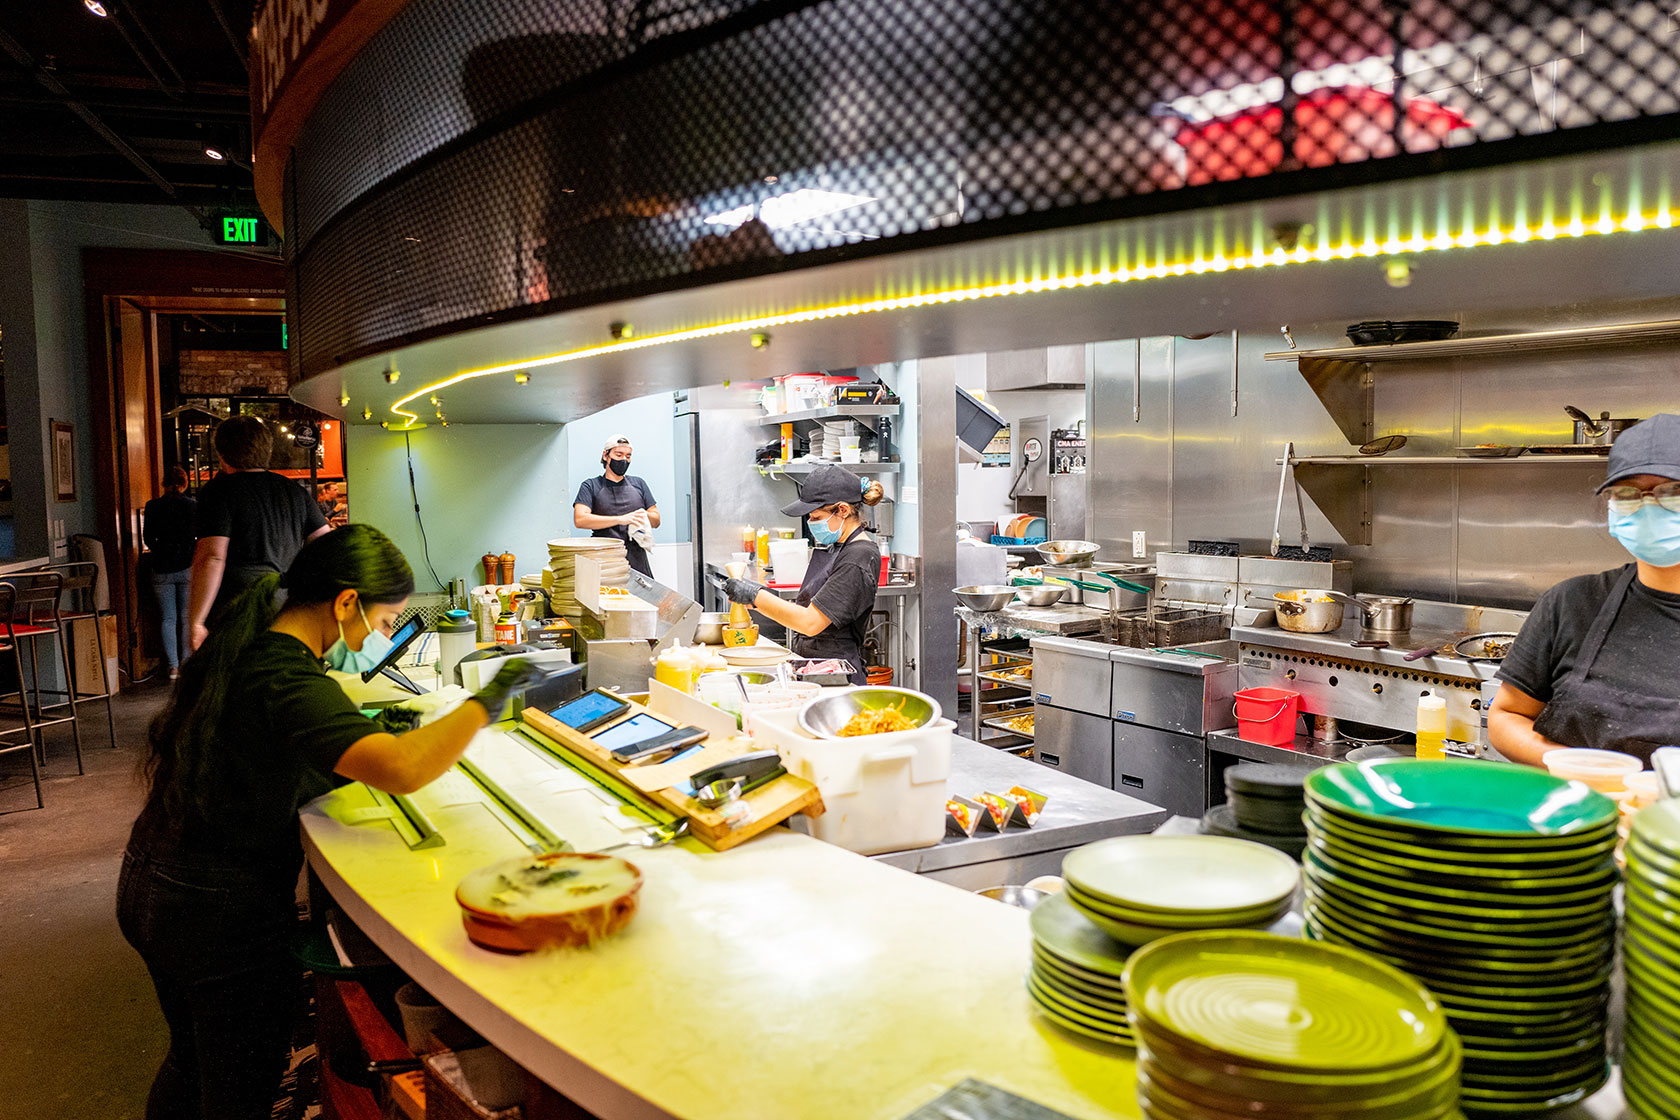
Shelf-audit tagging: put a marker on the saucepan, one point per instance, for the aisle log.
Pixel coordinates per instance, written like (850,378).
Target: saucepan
(1600,432)
(1306,612)
(1387,614)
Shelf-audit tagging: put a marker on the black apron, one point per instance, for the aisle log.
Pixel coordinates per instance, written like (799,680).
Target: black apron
(1589,713)
(615,499)
(843,637)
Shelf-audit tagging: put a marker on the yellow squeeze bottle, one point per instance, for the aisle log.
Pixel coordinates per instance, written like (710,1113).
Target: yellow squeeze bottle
(1431,726)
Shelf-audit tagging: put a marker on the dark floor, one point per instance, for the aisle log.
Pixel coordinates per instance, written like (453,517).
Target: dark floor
(79,1025)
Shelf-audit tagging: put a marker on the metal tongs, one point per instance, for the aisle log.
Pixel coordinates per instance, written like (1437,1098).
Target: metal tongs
(1300,504)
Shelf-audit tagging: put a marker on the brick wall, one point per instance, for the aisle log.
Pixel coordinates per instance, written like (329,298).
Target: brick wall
(221,373)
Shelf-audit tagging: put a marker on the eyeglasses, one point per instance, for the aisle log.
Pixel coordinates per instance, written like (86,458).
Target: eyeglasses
(1630,499)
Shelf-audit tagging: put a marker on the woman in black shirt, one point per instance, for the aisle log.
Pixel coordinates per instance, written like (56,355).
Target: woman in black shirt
(255,729)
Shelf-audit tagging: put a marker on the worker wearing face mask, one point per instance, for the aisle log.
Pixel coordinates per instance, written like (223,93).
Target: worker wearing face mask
(618,504)
(1597,664)
(830,615)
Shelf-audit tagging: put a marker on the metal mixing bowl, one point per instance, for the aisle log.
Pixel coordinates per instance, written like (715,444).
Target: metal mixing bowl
(826,715)
(1046,596)
(1024,897)
(985,596)
(1068,552)
(710,630)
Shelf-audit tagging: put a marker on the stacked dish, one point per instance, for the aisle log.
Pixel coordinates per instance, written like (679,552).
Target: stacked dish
(1075,974)
(1651,963)
(1263,803)
(1139,888)
(559,578)
(1491,884)
(1256,1025)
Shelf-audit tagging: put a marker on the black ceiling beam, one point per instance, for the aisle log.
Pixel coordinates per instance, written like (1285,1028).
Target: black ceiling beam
(233,39)
(187,110)
(123,12)
(173,90)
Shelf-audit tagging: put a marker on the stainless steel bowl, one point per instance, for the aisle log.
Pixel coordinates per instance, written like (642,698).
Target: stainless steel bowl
(1308,612)
(985,596)
(1024,897)
(1068,552)
(709,632)
(826,715)
(1046,596)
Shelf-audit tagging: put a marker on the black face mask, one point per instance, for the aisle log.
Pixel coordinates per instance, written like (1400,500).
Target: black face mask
(620,467)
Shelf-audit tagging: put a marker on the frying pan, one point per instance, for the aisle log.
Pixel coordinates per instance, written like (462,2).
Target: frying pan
(1474,648)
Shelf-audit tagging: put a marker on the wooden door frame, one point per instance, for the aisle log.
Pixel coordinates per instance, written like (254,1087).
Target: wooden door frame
(128,456)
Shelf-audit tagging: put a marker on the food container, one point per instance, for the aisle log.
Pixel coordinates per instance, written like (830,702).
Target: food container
(1602,770)
(1307,612)
(534,902)
(788,561)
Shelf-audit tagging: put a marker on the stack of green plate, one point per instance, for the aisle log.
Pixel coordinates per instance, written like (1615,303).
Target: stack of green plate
(1255,1025)
(1651,963)
(1491,884)
(1075,974)
(1139,888)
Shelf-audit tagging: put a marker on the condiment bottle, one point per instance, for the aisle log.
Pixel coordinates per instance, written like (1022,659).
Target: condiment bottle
(1431,726)
(747,545)
(504,568)
(764,548)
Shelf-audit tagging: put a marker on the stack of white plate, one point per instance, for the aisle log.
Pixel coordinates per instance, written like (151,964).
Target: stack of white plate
(559,579)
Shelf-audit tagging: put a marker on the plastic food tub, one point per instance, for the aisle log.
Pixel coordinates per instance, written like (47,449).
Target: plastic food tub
(1602,770)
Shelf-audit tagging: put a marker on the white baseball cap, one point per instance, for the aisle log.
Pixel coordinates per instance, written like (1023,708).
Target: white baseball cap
(615,441)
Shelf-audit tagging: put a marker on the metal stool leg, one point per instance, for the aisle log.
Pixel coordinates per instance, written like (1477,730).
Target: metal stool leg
(31,742)
(35,674)
(70,686)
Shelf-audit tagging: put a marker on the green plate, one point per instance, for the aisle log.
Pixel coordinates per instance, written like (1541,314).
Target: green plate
(1457,965)
(1079,1024)
(1662,954)
(1061,929)
(1182,874)
(1527,1104)
(1542,852)
(1495,911)
(1581,858)
(1412,932)
(1656,1045)
(1284,1002)
(1659,826)
(1650,860)
(1091,904)
(1649,1086)
(1095,983)
(1649,980)
(1558,1052)
(1461,796)
(1435,877)
(1047,995)
(1475,986)
(1434,1098)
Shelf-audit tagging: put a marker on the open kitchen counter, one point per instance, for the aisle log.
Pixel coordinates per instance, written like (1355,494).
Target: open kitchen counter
(785,978)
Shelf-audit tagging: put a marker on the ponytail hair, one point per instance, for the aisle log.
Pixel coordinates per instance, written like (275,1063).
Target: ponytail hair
(184,737)
(872,493)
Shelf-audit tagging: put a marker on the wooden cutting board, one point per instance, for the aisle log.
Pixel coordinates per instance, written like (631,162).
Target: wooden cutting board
(771,804)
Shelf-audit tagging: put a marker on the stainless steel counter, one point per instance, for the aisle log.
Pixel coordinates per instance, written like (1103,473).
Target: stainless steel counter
(1076,813)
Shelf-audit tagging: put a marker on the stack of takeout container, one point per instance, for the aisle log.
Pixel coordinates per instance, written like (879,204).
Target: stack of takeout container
(1233,1024)
(1651,963)
(1074,980)
(1140,888)
(1264,803)
(1492,885)
(559,578)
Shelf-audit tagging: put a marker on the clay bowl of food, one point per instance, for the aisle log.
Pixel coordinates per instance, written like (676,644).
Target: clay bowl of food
(868,711)
(557,899)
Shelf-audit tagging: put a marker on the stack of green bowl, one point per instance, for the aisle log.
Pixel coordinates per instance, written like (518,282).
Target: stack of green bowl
(1491,884)
(1651,962)
(1075,974)
(1254,1025)
(1139,888)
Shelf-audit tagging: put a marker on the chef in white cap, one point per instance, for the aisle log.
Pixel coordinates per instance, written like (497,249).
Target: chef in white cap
(618,504)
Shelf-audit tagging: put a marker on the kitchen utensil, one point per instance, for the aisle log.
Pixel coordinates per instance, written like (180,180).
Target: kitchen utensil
(1367,733)
(748,769)
(736,636)
(1040,596)
(1424,651)
(1491,645)
(1382,332)
(1369,643)
(1382,445)
(1306,549)
(709,632)
(1306,612)
(1283,481)
(1024,897)
(1601,432)
(986,597)
(1069,553)
(1382,613)
(654,836)
(1491,451)
(824,717)
(715,795)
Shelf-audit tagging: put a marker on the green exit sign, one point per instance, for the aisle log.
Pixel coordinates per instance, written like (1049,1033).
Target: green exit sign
(241,229)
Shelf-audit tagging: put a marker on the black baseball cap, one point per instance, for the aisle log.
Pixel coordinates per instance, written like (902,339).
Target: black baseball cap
(825,486)
(1649,447)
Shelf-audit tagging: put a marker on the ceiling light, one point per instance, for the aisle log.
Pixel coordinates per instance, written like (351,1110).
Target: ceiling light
(96,8)
(521,378)
(783,210)
(213,152)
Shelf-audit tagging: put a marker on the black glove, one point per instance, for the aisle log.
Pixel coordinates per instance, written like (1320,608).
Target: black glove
(514,675)
(743,591)
(397,720)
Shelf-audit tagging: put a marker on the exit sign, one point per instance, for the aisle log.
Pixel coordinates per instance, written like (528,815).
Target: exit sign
(241,229)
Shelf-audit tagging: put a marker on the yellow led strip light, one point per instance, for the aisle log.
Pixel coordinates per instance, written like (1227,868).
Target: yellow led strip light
(1200,264)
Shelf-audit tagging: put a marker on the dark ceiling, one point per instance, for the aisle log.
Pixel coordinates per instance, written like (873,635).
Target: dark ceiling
(121,108)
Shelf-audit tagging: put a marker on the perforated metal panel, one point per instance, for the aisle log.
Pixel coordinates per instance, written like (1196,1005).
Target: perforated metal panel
(485,159)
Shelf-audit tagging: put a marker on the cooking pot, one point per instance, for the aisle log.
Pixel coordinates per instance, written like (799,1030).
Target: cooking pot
(1307,612)
(1385,614)
(1597,433)
(709,631)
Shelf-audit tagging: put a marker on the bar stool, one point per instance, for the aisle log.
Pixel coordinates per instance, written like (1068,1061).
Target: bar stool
(79,603)
(9,651)
(34,615)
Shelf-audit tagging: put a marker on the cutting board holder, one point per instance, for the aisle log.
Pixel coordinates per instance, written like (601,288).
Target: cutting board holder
(771,803)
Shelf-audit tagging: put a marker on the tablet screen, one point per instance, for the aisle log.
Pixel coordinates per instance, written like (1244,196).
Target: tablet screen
(632,731)
(587,709)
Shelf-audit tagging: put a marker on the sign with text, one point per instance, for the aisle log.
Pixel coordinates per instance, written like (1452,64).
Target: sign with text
(239,228)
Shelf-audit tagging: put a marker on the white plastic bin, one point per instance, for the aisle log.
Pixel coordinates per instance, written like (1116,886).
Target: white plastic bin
(788,560)
(881,793)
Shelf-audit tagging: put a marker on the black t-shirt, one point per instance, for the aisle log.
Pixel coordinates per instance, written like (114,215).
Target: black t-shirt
(841,583)
(284,728)
(1641,653)
(266,517)
(169,533)
(607,498)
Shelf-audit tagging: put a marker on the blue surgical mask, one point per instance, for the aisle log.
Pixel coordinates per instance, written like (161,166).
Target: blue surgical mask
(822,534)
(374,648)
(1651,533)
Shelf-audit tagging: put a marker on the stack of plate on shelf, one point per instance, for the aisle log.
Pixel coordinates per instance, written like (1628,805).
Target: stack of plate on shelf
(1264,803)
(1139,888)
(1491,884)
(1255,1025)
(1075,974)
(1651,963)
(559,579)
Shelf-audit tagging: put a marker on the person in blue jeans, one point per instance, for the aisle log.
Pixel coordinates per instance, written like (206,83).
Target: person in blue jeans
(168,533)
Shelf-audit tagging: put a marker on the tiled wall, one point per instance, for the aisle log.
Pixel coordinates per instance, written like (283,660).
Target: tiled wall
(221,373)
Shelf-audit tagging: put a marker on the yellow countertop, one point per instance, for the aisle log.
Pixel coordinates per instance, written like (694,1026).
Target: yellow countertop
(784,979)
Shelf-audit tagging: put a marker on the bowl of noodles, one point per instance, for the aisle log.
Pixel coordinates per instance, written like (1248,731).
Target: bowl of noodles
(868,711)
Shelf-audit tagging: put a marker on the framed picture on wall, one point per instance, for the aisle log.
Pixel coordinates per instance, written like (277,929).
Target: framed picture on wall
(63,460)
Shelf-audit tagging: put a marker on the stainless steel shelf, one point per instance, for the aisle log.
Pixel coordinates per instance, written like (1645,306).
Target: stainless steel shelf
(836,412)
(1617,334)
(1435,460)
(806,468)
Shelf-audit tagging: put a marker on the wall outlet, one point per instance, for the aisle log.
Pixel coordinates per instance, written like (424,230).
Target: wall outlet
(1140,545)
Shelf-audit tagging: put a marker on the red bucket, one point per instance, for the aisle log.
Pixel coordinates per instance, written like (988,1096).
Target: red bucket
(1267,715)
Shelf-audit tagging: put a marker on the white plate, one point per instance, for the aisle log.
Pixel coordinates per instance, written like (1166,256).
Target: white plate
(755,655)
